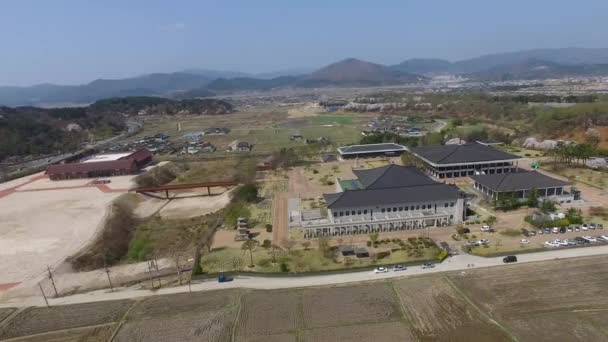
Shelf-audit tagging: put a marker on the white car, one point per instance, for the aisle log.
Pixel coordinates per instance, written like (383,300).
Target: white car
(484,241)
(555,230)
(550,244)
(524,241)
(590,238)
(485,228)
(381,270)
(604,237)
(585,227)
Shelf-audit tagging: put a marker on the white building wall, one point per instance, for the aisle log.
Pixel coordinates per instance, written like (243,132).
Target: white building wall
(455,207)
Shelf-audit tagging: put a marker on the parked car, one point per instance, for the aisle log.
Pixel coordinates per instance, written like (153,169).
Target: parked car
(509,259)
(600,226)
(592,226)
(540,232)
(547,230)
(466,230)
(555,230)
(381,270)
(585,226)
(484,241)
(428,265)
(581,240)
(590,238)
(524,241)
(570,229)
(562,230)
(604,237)
(398,268)
(550,244)
(485,228)
(577,229)
(532,233)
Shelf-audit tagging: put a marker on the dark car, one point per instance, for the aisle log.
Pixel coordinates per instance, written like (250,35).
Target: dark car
(510,258)
(562,230)
(466,230)
(580,240)
(525,232)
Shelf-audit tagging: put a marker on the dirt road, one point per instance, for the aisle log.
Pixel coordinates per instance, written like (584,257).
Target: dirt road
(280,229)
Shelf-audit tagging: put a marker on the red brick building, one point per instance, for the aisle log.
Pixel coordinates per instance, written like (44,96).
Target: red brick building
(125,165)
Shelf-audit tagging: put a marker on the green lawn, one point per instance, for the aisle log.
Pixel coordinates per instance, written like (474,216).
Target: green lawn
(332,119)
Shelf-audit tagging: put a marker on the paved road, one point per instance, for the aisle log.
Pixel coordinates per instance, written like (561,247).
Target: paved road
(455,263)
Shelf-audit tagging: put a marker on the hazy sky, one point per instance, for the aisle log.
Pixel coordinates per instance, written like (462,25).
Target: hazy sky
(68,42)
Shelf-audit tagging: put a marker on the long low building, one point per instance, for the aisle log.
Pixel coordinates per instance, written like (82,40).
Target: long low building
(371,150)
(453,161)
(388,198)
(104,165)
(520,184)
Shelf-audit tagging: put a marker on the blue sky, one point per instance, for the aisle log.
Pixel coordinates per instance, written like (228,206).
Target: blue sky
(69,42)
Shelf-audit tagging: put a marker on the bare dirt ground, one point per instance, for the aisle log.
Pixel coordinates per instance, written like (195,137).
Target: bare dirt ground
(312,109)
(43,222)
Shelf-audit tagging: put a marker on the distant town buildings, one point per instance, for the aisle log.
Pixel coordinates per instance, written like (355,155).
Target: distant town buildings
(239,146)
(370,150)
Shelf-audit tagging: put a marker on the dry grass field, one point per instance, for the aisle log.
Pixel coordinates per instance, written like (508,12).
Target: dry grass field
(40,320)
(549,301)
(349,305)
(559,300)
(375,332)
(205,316)
(4,313)
(438,312)
(88,334)
(268,313)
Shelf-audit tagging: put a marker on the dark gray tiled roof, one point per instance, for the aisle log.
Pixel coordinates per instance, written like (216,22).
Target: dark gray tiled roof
(392,176)
(390,196)
(523,180)
(371,148)
(467,153)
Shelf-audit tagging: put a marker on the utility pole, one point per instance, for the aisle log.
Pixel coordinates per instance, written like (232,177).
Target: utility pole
(157,271)
(179,275)
(109,280)
(43,295)
(52,280)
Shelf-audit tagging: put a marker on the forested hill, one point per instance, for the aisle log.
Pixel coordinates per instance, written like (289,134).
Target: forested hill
(159,105)
(39,131)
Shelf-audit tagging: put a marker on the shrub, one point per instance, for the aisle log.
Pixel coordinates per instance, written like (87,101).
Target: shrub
(462,230)
(511,232)
(268,228)
(442,255)
(247,193)
(235,210)
(315,171)
(369,243)
(266,244)
(284,267)
(382,255)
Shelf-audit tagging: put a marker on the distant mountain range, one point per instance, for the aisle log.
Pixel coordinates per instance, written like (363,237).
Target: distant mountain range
(524,65)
